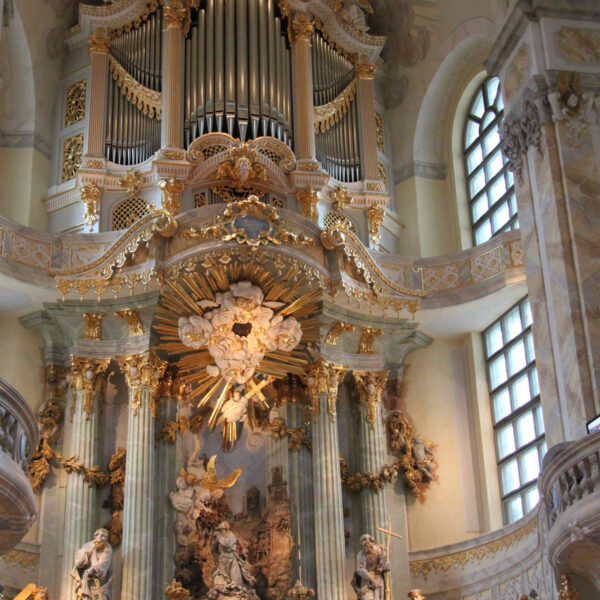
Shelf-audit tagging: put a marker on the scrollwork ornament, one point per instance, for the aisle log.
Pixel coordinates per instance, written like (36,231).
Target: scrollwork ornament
(90,196)
(171,189)
(375,216)
(309,199)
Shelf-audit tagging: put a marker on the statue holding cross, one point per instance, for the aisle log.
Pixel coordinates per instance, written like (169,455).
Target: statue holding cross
(371,577)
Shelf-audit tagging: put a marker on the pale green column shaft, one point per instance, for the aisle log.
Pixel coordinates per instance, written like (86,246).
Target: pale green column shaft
(80,506)
(138,511)
(329,519)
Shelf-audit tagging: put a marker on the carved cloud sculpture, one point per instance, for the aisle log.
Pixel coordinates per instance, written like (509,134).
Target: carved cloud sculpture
(239,330)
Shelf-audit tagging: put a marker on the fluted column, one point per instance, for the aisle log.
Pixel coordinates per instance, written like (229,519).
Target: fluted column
(322,379)
(372,452)
(87,379)
(300,31)
(301,495)
(172,68)
(99,48)
(143,373)
(367,128)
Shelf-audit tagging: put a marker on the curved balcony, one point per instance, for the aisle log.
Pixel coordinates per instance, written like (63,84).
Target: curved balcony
(570,488)
(18,439)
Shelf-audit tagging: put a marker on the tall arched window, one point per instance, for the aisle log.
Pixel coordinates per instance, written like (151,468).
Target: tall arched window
(492,202)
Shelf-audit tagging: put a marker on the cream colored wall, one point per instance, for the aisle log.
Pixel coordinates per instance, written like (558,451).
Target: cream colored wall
(24,174)
(21,360)
(463,501)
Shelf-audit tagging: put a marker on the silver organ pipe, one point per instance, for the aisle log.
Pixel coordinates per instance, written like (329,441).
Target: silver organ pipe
(132,136)
(239,74)
(337,146)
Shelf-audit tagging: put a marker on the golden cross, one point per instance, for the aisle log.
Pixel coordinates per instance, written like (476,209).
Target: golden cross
(390,533)
(253,389)
(386,575)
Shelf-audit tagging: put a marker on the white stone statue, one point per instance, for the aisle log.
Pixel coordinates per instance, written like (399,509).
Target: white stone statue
(93,568)
(423,456)
(371,564)
(231,578)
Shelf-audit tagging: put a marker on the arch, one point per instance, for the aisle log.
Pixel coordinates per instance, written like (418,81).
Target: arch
(462,62)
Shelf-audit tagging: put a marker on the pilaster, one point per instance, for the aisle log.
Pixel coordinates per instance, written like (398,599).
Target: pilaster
(300,31)
(175,20)
(143,373)
(99,48)
(367,127)
(551,135)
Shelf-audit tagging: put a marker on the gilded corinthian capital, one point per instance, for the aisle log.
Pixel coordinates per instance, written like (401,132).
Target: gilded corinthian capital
(370,386)
(321,378)
(99,42)
(87,376)
(301,27)
(144,370)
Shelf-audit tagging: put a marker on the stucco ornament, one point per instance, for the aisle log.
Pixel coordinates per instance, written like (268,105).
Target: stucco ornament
(239,330)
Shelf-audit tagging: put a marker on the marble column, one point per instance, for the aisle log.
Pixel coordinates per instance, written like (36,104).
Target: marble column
(372,452)
(99,48)
(172,85)
(301,494)
(143,373)
(87,379)
(300,31)
(551,136)
(367,127)
(322,379)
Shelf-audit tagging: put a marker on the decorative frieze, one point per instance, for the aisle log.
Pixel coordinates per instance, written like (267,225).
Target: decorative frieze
(338,328)
(132,318)
(93,325)
(367,339)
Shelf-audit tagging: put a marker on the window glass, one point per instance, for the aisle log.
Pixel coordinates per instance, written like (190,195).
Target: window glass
(518,420)
(487,168)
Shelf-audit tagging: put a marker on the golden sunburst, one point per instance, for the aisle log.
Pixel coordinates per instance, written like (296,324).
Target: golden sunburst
(183,298)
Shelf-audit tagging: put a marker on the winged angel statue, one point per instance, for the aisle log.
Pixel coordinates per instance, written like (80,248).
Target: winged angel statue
(197,486)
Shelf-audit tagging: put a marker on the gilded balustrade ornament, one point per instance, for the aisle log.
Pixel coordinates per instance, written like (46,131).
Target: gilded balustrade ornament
(87,377)
(93,325)
(90,196)
(171,189)
(300,27)
(75,103)
(375,216)
(309,199)
(338,328)
(367,339)
(323,378)
(144,370)
(132,318)
(370,386)
(132,181)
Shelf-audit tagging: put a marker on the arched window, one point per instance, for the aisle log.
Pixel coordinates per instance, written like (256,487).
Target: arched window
(490,188)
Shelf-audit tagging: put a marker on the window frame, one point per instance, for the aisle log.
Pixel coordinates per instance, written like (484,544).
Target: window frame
(508,198)
(532,406)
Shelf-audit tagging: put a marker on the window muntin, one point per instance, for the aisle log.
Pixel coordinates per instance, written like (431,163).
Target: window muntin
(516,409)
(492,202)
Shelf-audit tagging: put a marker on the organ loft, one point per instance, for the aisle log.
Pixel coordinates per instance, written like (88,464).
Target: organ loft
(299,300)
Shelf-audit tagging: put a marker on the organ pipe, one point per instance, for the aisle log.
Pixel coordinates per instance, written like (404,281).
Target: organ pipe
(239,80)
